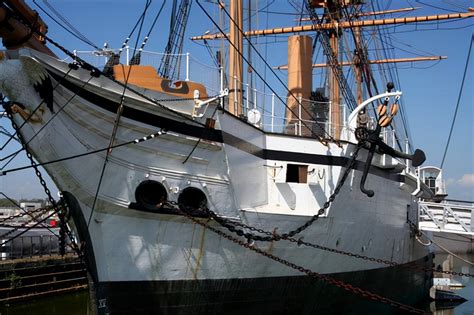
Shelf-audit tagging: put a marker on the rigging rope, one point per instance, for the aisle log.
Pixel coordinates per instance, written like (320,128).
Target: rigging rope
(73,31)
(137,55)
(117,119)
(322,140)
(459,100)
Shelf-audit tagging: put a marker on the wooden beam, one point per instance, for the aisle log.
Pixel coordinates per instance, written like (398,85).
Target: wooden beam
(346,24)
(348,63)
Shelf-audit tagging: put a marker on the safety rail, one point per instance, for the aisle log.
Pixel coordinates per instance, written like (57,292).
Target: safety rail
(446,217)
(272,107)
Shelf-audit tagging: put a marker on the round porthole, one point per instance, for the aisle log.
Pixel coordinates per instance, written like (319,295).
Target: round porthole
(151,194)
(192,198)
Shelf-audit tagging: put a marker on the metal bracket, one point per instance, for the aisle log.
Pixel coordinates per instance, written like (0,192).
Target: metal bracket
(200,104)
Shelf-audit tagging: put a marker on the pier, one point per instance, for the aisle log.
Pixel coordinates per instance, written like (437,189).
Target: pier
(451,223)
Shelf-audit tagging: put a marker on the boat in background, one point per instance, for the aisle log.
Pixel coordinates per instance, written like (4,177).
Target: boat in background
(187,201)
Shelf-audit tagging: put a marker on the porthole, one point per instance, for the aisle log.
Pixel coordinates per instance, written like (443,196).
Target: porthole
(151,194)
(192,198)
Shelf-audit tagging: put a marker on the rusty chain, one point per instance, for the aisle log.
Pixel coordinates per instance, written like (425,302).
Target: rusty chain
(16,228)
(345,286)
(21,214)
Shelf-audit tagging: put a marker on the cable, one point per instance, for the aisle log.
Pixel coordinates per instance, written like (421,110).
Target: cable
(135,141)
(137,55)
(260,76)
(117,118)
(81,37)
(459,100)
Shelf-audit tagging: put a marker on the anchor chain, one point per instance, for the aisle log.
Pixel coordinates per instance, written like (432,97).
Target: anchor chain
(418,233)
(345,286)
(16,228)
(231,225)
(64,230)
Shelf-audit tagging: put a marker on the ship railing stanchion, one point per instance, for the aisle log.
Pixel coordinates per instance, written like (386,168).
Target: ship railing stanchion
(247,97)
(187,67)
(127,50)
(407,151)
(254,98)
(273,112)
(299,115)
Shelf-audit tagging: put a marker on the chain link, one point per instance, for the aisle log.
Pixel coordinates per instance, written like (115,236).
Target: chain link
(64,229)
(348,287)
(231,225)
(24,225)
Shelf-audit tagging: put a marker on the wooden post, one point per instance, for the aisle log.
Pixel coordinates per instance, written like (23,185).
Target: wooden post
(235,59)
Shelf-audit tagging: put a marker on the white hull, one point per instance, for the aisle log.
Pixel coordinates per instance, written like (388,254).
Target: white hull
(243,175)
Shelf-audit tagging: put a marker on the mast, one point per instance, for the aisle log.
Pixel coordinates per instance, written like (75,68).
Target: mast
(235,58)
(334,13)
(358,64)
(335,94)
(299,84)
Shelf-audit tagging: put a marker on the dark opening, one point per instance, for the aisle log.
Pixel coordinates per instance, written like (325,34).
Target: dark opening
(296,173)
(151,194)
(192,198)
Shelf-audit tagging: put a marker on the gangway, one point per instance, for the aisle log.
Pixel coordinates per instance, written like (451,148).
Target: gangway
(446,216)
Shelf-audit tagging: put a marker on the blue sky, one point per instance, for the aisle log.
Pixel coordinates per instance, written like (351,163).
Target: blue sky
(430,88)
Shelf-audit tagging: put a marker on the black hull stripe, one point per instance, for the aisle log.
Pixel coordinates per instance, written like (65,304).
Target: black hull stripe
(277,295)
(215,135)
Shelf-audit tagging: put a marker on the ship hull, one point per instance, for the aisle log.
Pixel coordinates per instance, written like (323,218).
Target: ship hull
(165,261)
(272,295)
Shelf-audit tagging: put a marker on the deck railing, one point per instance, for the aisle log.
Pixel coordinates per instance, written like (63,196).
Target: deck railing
(272,107)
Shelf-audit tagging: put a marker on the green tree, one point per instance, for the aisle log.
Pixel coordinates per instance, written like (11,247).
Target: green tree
(4,202)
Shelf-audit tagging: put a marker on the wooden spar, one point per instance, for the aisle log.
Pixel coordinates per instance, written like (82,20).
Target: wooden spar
(15,34)
(373,13)
(235,59)
(399,60)
(344,24)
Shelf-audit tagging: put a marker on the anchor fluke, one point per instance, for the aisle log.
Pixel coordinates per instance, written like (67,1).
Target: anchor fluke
(418,158)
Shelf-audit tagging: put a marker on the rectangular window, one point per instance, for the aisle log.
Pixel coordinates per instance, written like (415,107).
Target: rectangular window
(296,173)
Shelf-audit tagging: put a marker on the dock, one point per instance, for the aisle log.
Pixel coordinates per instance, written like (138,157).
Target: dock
(451,223)
(36,277)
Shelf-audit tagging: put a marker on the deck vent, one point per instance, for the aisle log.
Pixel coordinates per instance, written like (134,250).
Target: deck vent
(192,198)
(151,194)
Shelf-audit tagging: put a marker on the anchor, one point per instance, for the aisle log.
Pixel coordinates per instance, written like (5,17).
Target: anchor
(374,140)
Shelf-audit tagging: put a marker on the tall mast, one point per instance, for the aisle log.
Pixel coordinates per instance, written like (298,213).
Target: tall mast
(235,57)
(333,11)
(358,64)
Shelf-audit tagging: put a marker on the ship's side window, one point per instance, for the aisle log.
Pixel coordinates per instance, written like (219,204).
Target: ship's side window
(151,194)
(192,198)
(296,173)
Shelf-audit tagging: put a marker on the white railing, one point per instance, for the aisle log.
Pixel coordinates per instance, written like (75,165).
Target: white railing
(446,217)
(271,106)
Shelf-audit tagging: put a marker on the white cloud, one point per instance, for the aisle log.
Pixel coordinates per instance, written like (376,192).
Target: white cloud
(467,180)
